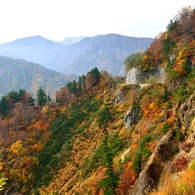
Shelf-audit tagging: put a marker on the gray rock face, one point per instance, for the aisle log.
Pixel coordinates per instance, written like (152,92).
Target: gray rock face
(138,76)
(150,175)
(184,112)
(120,99)
(12,191)
(131,117)
(134,76)
(161,74)
(172,57)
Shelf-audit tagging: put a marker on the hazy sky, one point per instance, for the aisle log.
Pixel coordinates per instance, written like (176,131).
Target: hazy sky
(58,19)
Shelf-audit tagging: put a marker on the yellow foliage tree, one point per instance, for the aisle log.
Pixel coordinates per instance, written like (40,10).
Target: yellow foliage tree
(16,147)
(2,182)
(1,166)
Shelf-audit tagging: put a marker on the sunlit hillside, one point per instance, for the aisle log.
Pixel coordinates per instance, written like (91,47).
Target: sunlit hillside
(105,137)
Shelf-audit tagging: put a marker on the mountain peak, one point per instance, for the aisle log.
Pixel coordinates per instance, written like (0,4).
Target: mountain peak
(71,40)
(77,55)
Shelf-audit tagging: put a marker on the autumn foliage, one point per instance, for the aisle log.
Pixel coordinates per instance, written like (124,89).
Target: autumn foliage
(58,147)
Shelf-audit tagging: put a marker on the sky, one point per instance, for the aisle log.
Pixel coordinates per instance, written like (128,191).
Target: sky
(59,19)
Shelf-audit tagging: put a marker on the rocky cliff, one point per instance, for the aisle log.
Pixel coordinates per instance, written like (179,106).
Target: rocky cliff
(138,76)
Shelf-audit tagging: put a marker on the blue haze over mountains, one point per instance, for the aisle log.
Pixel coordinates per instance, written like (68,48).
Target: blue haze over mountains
(18,74)
(77,56)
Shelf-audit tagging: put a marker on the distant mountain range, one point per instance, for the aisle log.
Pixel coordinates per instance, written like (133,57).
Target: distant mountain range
(18,74)
(77,55)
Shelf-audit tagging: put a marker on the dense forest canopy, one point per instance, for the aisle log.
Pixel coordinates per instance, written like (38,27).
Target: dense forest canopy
(16,74)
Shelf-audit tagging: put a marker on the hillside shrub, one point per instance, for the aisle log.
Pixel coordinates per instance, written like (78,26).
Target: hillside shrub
(137,162)
(142,154)
(111,180)
(116,144)
(3,182)
(35,191)
(180,164)
(165,128)
(104,116)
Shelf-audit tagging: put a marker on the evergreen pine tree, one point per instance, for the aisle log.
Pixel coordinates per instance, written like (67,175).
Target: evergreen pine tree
(69,86)
(111,180)
(41,97)
(74,87)
(96,76)
(80,84)
(136,166)
(21,93)
(3,106)
(13,96)
(83,79)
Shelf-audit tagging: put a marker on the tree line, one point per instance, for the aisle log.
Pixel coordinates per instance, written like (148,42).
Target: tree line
(8,101)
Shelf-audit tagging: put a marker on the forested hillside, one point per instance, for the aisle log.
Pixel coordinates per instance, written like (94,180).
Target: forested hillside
(106,52)
(20,74)
(105,138)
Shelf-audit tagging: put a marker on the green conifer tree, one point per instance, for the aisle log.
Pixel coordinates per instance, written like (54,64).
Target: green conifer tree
(137,162)
(96,76)
(83,79)
(74,87)
(69,86)
(111,180)
(21,93)
(3,106)
(41,97)
(80,84)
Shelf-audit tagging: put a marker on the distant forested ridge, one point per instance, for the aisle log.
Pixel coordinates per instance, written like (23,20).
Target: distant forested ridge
(18,74)
(106,52)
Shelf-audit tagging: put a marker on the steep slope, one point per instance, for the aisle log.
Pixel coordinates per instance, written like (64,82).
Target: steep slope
(103,138)
(107,53)
(20,74)
(60,58)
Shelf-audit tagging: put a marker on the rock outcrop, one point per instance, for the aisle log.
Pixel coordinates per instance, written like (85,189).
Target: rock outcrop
(150,175)
(132,116)
(121,93)
(138,76)
(12,191)
(134,76)
(120,99)
(184,113)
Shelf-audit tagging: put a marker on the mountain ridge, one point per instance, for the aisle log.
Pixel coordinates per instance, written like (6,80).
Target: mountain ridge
(71,40)
(110,49)
(31,46)
(74,58)
(102,137)
(18,74)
